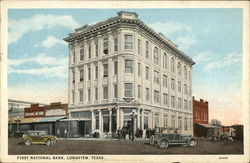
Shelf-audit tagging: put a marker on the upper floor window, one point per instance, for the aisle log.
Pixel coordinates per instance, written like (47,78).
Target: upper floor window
(89,73)
(156,96)
(105,92)
(81,52)
(96,72)
(139,69)
(139,46)
(172,84)
(179,103)
(185,104)
(179,68)
(96,93)
(105,46)
(172,101)
(165,61)
(147,49)
(128,66)
(147,73)
(165,98)
(128,42)
(96,48)
(89,95)
(115,44)
(179,86)
(139,91)
(156,77)
(73,76)
(73,55)
(115,68)
(165,81)
(147,94)
(89,51)
(105,70)
(185,72)
(81,75)
(128,89)
(172,65)
(185,89)
(115,91)
(156,55)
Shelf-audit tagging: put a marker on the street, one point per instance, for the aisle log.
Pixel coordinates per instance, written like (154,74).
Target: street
(71,147)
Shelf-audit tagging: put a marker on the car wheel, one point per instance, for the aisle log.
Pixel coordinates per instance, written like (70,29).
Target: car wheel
(192,143)
(152,140)
(49,143)
(163,143)
(27,142)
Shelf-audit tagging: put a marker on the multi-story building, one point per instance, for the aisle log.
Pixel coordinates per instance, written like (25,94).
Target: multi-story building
(121,65)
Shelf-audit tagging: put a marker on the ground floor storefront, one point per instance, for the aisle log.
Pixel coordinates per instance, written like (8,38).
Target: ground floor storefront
(110,118)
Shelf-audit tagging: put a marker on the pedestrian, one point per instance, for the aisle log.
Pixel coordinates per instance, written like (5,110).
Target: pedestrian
(119,133)
(65,133)
(58,132)
(124,132)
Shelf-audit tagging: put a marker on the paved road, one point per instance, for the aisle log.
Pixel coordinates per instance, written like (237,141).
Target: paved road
(16,147)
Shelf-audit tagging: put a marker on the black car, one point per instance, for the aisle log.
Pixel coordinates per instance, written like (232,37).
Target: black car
(164,140)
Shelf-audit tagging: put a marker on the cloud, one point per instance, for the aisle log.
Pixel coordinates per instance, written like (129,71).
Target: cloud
(230,59)
(52,41)
(169,27)
(206,31)
(19,27)
(203,56)
(50,66)
(186,42)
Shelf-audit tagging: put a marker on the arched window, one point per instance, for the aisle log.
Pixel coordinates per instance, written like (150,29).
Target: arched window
(179,68)
(105,46)
(172,64)
(165,61)
(185,72)
(156,55)
(147,49)
(81,52)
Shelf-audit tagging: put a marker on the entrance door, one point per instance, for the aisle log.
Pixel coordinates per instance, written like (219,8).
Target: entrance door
(84,128)
(105,123)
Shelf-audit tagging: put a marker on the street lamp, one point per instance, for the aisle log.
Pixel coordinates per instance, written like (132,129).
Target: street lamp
(133,114)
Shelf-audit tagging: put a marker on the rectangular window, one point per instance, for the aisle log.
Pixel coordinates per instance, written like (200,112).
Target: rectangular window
(165,61)
(89,73)
(173,121)
(147,94)
(89,96)
(73,97)
(179,86)
(156,96)
(139,91)
(81,75)
(128,42)
(185,89)
(165,81)
(165,120)
(156,77)
(179,123)
(73,76)
(147,49)
(74,56)
(190,106)
(185,124)
(165,98)
(128,89)
(172,84)
(105,46)
(185,105)
(179,103)
(96,72)
(139,46)
(115,44)
(81,52)
(81,95)
(128,66)
(96,49)
(139,69)
(89,51)
(147,73)
(96,93)
(172,101)
(105,70)
(115,68)
(115,91)
(105,92)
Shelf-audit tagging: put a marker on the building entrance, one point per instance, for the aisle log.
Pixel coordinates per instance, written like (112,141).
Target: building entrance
(84,128)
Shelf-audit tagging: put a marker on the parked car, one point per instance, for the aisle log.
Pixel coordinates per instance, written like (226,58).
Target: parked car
(164,140)
(39,137)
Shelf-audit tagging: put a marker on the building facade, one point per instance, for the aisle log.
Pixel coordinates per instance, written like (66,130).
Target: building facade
(121,65)
(200,111)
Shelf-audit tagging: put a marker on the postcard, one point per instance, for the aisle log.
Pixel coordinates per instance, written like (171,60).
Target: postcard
(124,81)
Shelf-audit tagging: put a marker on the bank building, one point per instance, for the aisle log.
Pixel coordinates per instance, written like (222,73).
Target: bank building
(122,71)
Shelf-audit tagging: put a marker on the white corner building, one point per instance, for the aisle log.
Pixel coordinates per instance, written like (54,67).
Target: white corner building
(121,65)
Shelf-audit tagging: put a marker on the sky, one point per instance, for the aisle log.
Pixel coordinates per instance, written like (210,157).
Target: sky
(38,56)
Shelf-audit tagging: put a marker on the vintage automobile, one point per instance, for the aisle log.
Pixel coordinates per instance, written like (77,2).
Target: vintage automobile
(39,137)
(164,140)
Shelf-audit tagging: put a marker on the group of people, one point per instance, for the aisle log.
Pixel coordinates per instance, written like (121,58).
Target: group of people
(122,133)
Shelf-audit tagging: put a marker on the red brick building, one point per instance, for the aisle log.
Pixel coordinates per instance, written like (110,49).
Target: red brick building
(200,111)
(35,110)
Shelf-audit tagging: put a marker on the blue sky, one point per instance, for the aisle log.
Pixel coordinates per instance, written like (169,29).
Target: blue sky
(38,57)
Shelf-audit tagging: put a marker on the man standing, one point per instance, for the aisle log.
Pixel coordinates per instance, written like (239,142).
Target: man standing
(65,133)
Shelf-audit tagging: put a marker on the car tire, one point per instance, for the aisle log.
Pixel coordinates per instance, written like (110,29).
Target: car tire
(163,143)
(152,140)
(192,143)
(49,142)
(27,142)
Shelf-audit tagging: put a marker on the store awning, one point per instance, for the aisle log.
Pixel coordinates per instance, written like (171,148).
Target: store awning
(51,119)
(208,125)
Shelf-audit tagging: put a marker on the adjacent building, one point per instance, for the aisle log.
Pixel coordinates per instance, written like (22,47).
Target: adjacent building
(121,67)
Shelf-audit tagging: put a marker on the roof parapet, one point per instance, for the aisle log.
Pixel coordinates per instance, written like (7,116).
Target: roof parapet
(127,15)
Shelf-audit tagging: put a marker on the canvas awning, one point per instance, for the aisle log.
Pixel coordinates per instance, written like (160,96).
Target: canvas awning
(51,119)
(208,125)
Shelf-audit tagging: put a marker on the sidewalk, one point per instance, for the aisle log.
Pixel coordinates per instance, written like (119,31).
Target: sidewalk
(103,139)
